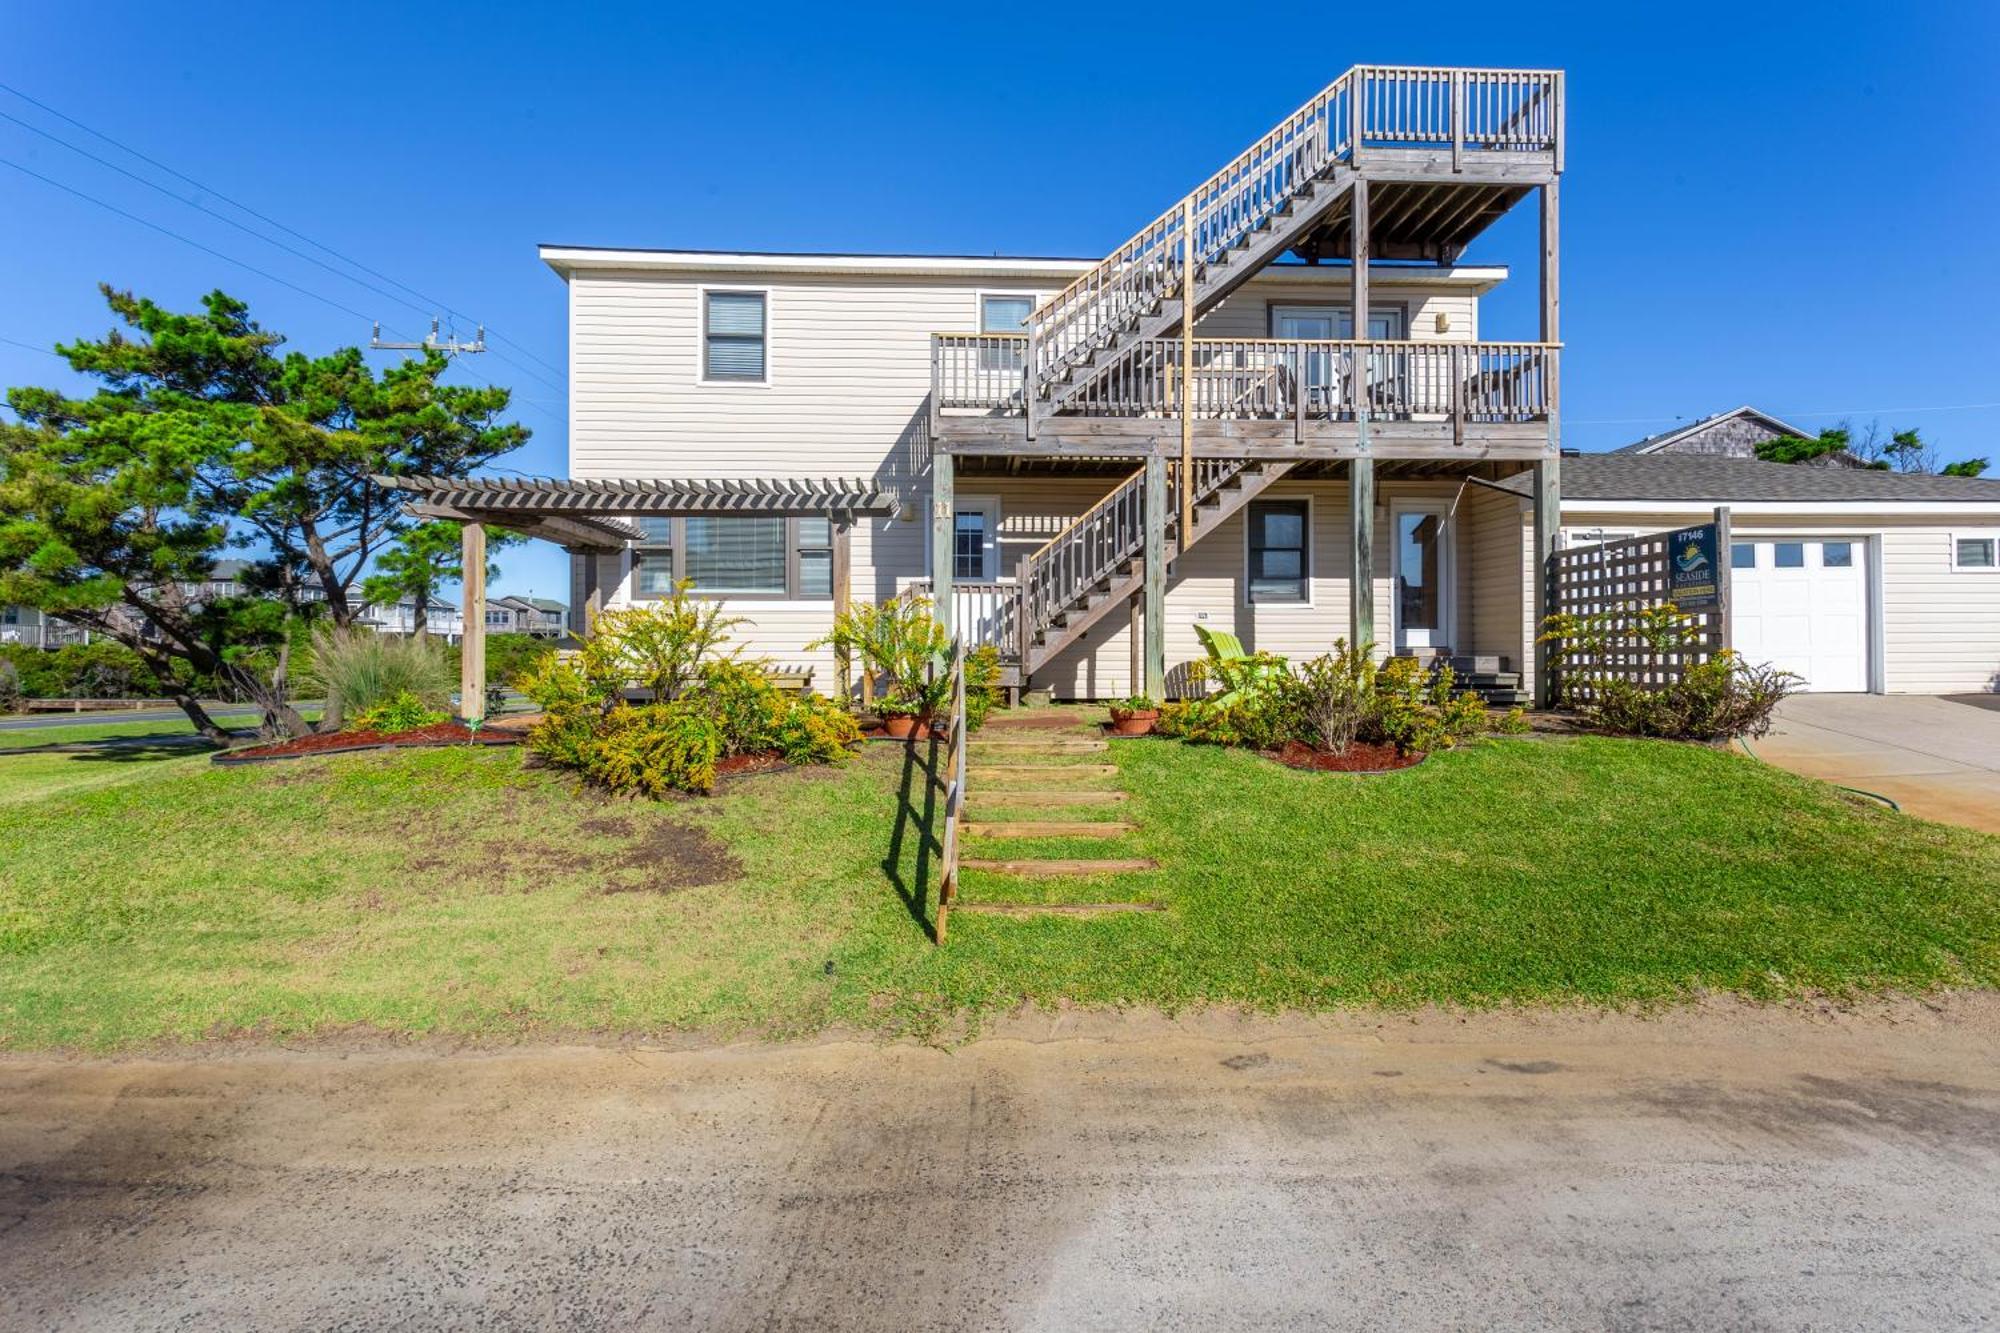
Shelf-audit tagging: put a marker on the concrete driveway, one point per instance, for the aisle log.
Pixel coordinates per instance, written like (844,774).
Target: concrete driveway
(1936,756)
(1722,1166)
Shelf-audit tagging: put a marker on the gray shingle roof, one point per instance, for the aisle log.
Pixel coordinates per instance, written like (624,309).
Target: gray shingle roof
(1655,442)
(1622,476)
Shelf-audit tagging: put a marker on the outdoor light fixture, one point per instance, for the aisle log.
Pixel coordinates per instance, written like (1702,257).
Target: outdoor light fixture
(1443,322)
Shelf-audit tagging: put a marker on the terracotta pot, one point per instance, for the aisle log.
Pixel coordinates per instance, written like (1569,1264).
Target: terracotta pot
(901,726)
(1137,722)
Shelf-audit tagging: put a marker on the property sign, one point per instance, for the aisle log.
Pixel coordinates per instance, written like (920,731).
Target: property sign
(1693,572)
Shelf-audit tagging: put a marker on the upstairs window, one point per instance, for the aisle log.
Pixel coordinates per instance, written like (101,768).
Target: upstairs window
(1004,314)
(733,350)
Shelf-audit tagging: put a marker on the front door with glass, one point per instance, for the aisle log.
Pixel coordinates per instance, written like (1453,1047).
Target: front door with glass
(1422,572)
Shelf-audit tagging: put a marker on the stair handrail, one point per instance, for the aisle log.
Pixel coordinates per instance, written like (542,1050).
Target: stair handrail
(1329,127)
(1153,244)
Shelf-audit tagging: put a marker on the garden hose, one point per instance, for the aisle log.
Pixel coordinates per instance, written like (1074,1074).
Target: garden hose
(1858,791)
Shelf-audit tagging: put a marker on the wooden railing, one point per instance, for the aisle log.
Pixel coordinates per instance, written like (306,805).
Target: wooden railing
(1266,379)
(978,370)
(1395,106)
(982,611)
(954,795)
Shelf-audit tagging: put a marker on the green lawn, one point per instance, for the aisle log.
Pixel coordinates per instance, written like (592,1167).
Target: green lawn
(456,891)
(41,737)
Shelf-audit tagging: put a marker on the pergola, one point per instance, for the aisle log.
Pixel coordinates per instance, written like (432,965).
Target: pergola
(593,517)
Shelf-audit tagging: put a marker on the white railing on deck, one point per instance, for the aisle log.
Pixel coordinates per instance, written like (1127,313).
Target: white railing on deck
(982,611)
(1268,379)
(1396,106)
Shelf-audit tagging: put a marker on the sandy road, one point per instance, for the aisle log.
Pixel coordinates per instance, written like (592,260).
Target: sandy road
(1718,1167)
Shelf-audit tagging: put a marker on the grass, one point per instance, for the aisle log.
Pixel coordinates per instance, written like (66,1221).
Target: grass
(158,729)
(455,891)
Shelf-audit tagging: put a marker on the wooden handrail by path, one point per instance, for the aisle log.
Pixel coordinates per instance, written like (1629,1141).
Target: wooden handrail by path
(954,796)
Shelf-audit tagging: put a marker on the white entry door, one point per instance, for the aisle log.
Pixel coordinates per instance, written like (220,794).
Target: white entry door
(1801,604)
(1420,567)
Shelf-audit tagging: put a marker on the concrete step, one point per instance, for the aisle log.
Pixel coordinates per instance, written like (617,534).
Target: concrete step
(1047,828)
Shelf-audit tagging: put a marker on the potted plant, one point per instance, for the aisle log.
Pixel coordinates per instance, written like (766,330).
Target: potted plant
(1135,716)
(901,716)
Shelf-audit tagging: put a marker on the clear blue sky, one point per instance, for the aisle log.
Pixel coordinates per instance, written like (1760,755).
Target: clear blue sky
(1788,205)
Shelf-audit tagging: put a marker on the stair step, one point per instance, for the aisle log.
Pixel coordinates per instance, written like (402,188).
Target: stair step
(1078,770)
(1006,799)
(1055,909)
(1057,744)
(1043,869)
(1047,828)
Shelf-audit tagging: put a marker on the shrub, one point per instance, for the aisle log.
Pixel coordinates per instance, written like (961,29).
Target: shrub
(1719,699)
(897,642)
(1335,695)
(508,657)
(401,712)
(661,647)
(362,670)
(11,697)
(982,685)
(654,749)
(812,730)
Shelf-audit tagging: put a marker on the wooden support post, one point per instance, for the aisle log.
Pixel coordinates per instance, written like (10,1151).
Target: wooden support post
(1024,624)
(944,521)
(1361,580)
(1156,576)
(1724,637)
(843,598)
(1136,676)
(1458,120)
(1548,522)
(1188,261)
(1361,249)
(472,639)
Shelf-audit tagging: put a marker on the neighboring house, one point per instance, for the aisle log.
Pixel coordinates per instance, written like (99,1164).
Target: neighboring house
(536,616)
(24,624)
(1733,434)
(787,432)
(441,618)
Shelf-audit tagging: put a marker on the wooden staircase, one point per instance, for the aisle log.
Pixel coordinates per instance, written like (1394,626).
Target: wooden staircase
(1098,562)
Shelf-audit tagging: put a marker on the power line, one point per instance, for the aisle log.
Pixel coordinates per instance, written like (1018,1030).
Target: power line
(16,342)
(270,221)
(1841,412)
(168,231)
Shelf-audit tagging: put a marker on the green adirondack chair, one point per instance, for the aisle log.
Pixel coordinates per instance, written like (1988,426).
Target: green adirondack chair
(1239,671)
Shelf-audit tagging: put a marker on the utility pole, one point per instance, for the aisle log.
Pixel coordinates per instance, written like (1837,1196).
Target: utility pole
(450,346)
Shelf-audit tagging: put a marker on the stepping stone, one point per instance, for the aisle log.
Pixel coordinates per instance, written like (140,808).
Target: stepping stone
(1109,866)
(1010,798)
(1055,909)
(1049,828)
(1075,770)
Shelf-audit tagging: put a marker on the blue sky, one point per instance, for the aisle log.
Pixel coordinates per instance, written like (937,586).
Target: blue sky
(1789,205)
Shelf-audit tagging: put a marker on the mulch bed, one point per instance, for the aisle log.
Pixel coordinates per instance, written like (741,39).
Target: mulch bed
(742,765)
(1361,757)
(341,742)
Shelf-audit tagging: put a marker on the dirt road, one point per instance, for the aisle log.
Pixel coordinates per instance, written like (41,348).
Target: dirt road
(1721,1167)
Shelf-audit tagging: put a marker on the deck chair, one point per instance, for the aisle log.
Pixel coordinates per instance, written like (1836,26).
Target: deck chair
(1238,671)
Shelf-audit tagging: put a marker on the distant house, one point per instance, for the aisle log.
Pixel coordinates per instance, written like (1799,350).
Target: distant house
(1732,434)
(536,616)
(441,618)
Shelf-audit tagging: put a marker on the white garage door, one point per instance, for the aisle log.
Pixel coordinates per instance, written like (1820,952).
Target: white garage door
(1801,604)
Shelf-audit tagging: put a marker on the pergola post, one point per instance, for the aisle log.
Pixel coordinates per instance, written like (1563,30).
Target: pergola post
(472,638)
(1156,576)
(944,520)
(1548,521)
(1548,472)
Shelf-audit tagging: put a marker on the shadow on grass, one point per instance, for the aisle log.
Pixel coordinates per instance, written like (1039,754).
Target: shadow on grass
(918,816)
(134,752)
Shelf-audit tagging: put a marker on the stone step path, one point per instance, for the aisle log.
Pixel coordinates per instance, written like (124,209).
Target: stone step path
(1018,768)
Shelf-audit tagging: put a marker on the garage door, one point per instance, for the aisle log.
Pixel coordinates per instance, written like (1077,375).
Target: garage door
(1802,605)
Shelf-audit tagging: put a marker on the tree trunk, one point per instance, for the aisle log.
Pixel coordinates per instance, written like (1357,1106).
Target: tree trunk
(420,618)
(210,729)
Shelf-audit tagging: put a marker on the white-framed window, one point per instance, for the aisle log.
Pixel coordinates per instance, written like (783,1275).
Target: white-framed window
(975,539)
(1004,312)
(747,557)
(1975,552)
(734,345)
(1280,553)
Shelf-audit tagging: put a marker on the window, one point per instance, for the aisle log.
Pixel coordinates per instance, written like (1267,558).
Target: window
(968,545)
(1973,552)
(1004,314)
(735,556)
(496,619)
(1789,555)
(653,563)
(1837,555)
(733,337)
(813,543)
(1743,555)
(1278,569)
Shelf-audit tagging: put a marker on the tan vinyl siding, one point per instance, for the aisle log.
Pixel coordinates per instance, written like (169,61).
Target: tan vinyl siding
(1497,563)
(1247,313)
